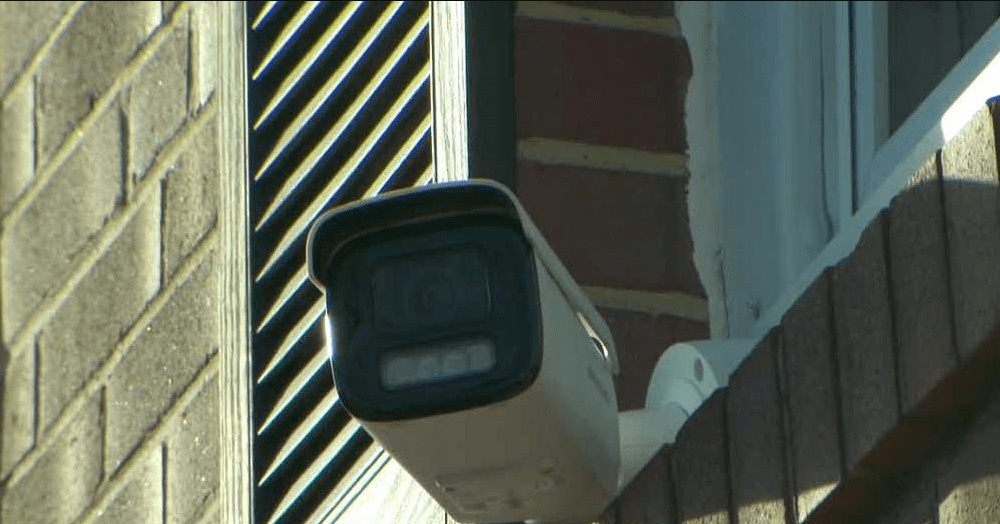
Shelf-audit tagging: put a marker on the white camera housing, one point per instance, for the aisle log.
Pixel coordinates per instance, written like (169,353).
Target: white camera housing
(463,346)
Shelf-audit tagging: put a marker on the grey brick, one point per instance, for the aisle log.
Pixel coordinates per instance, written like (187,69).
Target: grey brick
(64,479)
(84,62)
(699,465)
(921,298)
(141,499)
(756,439)
(972,214)
(915,506)
(39,248)
(204,53)
(193,456)
(158,101)
(24,27)
(100,309)
(969,482)
(865,354)
(17,145)
(162,362)
(810,383)
(17,429)
(190,200)
(648,498)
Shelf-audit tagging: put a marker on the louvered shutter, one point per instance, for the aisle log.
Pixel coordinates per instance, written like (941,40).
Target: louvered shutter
(338,109)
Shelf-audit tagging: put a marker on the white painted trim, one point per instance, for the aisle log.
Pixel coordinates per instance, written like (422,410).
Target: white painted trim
(871,88)
(608,158)
(558,12)
(697,21)
(948,108)
(449,92)
(760,202)
(235,376)
(838,165)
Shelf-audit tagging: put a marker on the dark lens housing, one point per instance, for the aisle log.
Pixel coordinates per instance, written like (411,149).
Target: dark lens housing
(431,289)
(432,283)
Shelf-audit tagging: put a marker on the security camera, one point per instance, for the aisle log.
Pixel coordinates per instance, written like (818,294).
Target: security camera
(460,342)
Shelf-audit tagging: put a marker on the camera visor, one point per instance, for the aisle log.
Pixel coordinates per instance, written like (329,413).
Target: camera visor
(430,290)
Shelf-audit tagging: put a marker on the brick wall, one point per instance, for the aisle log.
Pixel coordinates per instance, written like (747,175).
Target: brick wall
(108,263)
(599,96)
(875,399)
(857,408)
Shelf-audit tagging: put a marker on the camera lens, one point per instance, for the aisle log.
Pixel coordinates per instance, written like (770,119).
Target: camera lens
(431,290)
(429,294)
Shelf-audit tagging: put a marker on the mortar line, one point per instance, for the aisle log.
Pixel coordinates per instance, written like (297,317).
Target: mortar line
(890,289)
(211,513)
(164,456)
(36,393)
(79,133)
(190,105)
(602,157)
(126,144)
(150,441)
(36,112)
(42,51)
(104,431)
(98,379)
(162,225)
(44,311)
(557,12)
(956,351)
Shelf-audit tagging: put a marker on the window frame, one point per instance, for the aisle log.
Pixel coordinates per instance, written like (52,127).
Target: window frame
(936,120)
(863,166)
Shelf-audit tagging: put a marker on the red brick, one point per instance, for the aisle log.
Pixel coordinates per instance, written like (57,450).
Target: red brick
(972,214)
(865,354)
(654,9)
(756,439)
(640,339)
(601,86)
(921,295)
(699,465)
(649,497)
(626,230)
(810,381)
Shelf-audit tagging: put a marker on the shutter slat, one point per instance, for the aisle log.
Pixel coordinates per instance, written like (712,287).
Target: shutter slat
(338,109)
(361,473)
(334,186)
(307,62)
(315,365)
(308,321)
(302,118)
(305,477)
(294,25)
(294,284)
(309,424)
(350,116)
(261,17)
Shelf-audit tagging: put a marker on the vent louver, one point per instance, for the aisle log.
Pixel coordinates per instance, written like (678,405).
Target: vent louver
(338,109)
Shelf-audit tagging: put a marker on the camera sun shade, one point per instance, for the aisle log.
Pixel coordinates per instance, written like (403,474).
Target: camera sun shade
(448,200)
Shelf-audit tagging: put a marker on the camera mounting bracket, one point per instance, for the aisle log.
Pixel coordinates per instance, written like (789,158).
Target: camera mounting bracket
(686,374)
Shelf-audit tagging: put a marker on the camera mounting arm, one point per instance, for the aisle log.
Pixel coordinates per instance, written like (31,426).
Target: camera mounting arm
(686,374)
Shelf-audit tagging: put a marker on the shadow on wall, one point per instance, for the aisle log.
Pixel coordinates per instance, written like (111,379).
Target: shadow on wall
(904,432)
